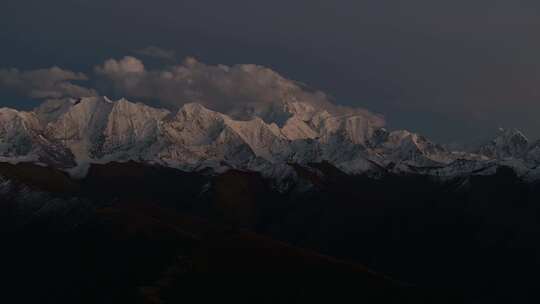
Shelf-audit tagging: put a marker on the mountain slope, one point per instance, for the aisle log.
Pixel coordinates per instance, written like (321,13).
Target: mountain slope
(71,134)
(508,143)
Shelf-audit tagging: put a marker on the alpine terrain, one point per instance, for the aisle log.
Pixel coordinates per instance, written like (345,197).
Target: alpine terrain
(71,134)
(113,201)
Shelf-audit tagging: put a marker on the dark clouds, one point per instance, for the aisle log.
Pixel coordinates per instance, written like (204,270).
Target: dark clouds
(449,69)
(45,83)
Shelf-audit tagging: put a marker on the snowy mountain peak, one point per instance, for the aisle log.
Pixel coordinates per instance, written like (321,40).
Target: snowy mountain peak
(73,133)
(511,133)
(508,143)
(194,108)
(16,132)
(197,112)
(302,110)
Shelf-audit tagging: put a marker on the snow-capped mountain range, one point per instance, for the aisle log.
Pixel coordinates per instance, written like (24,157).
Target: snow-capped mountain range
(71,134)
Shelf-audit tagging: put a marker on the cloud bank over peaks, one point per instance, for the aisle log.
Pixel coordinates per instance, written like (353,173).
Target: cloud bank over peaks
(241,91)
(45,83)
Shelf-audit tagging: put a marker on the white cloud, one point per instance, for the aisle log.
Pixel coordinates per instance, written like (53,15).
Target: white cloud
(242,91)
(239,90)
(126,65)
(45,83)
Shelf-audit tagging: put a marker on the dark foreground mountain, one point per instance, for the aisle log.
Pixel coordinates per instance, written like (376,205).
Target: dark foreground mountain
(74,251)
(131,232)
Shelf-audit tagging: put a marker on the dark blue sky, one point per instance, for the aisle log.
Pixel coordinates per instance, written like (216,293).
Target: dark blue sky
(453,70)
